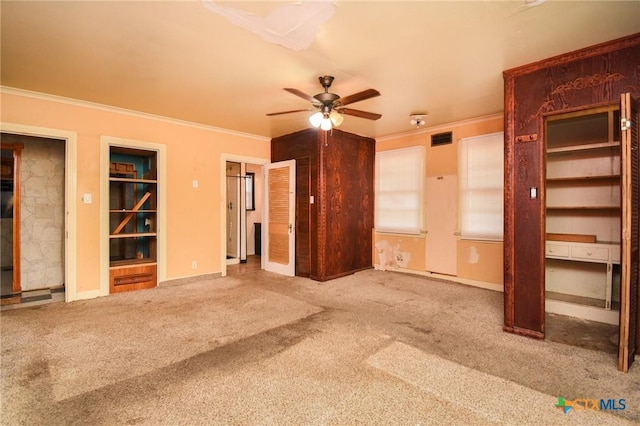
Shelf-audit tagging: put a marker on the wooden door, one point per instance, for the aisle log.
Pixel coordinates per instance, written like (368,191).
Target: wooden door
(280,184)
(630,193)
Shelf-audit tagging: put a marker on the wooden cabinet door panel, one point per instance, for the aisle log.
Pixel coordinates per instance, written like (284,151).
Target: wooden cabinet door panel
(630,193)
(280,217)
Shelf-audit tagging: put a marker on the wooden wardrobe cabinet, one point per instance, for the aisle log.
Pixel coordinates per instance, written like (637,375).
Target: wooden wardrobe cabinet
(334,200)
(592,79)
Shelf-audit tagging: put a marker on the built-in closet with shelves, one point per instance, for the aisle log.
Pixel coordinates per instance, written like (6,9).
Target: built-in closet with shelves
(132,219)
(583,208)
(571,191)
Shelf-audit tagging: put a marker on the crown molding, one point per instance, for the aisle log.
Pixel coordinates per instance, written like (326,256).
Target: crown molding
(107,108)
(442,127)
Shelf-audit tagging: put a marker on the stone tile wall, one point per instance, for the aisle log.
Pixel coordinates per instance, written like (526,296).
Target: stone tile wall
(42,214)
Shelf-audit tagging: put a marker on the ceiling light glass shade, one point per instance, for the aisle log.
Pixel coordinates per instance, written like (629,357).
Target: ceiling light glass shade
(336,118)
(326,124)
(418,120)
(316,119)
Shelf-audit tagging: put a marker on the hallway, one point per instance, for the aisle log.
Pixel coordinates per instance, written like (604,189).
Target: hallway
(251,265)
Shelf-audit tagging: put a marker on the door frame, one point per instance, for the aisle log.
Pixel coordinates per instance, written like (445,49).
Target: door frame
(236,218)
(70,197)
(16,150)
(106,142)
(224,157)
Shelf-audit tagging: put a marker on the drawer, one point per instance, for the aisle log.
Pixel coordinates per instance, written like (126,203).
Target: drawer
(556,250)
(132,277)
(596,254)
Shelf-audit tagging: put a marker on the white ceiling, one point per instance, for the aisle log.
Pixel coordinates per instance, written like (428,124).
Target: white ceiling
(178,59)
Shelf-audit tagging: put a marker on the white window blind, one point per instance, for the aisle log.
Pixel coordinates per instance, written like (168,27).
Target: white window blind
(481,186)
(398,196)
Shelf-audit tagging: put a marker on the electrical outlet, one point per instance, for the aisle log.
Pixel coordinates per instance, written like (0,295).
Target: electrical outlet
(194,264)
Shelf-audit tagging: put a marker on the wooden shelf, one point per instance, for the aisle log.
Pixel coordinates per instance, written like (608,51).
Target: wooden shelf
(135,235)
(131,262)
(584,208)
(131,180)
(581,114)
(576,238)
(580,300)
(585,147)
(605,178)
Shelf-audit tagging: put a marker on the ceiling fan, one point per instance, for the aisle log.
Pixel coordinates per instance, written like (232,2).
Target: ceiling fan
(330,106)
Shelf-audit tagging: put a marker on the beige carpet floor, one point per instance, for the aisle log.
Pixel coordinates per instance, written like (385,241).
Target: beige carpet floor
(261,349)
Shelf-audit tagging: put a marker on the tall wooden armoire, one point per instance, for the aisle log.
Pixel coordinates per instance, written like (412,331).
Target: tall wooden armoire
(571,187)
(334,200)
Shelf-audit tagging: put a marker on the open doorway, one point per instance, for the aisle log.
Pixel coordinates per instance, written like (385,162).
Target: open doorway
(583,227)
(243,212)
(33,219)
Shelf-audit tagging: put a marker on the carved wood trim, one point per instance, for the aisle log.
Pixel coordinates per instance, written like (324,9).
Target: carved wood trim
(509,104)
(587,52)
(579,83)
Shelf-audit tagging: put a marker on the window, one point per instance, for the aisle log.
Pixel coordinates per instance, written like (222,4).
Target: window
(398,197)
(481,186)
(249,191)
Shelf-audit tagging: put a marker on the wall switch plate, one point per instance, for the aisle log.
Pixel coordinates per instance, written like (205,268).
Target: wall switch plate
(195,183)
(86,198)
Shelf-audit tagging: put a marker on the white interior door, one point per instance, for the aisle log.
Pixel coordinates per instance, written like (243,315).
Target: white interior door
(279,216)
(441,209)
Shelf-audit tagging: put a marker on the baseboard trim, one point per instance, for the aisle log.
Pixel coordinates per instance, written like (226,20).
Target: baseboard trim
(473,283)
(190,279)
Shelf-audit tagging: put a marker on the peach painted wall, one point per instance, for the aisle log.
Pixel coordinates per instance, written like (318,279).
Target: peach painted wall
(484,263)
(193,153)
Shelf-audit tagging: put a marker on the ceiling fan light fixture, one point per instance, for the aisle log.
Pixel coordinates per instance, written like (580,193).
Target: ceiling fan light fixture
(326,124)
(331,107)
(336,118)
(316,119)
(326,119)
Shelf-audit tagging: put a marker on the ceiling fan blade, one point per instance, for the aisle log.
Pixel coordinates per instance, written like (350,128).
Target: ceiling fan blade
(357,97)
(288,112)
(358,113)
(302,95)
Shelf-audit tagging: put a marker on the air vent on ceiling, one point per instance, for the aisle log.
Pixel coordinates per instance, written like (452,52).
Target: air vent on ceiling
(441,138)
